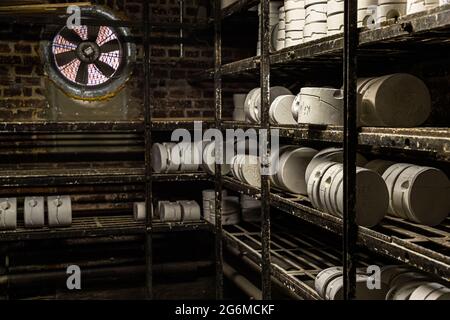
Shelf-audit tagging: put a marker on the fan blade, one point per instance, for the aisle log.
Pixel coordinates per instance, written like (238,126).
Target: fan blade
(64,58)
(82,73)
(93,33)
(71,35)
(104,68)
(111,45)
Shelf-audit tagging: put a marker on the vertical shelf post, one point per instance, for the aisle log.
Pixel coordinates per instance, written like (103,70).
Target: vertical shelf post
(350,229)
(218,234)
(265,150)
(148,156)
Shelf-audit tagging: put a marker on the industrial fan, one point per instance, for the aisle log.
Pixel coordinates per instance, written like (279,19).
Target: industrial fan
(87,55)
(87,61)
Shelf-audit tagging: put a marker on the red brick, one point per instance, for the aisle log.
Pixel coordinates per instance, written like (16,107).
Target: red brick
(38,92)
(5,48)
(208,94)
(9,113)
(24,70)
(191,11)
(6,81)
(192,54)
(22,48)
(157,52)
(10,60)
(158,73)
(178,74)
(208,53)
(177,94)
(4,71)
(208,113)
(27,92)
(204,104)
(176,113)
(133,8)
(31,60)
(157,113)
(194,113)
(173,53)
(12,92)
(33,81)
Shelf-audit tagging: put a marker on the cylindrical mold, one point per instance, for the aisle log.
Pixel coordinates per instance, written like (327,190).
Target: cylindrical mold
(59,211)
(33,212)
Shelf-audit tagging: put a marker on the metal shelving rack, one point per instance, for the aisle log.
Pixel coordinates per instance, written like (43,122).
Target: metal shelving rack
(297,256)
(425,248)
(142,173)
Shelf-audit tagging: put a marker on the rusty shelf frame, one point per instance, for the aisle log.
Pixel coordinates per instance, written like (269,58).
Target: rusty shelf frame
(182,177)
(112,225)
(410,28)
(297,256)
(60,19)
(403,241)
(169,125)
(35,127)
(98,227)
(58,127)
(433,141)
(90,176)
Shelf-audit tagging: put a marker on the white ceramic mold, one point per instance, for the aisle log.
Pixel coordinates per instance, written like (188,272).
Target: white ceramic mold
(422,194)
(321,106)
(190,210)
(280,110)
(33,212)
(379,166)
(372,198)
(59,211)
(331,154)
(430,291)
(139,211)
(293,163)
(313,187)
(389,11)
(395,100)
(170,212)
(209,159)
(8,213)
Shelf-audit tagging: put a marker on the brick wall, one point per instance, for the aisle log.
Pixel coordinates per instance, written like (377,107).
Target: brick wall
(20,81)
(173,94)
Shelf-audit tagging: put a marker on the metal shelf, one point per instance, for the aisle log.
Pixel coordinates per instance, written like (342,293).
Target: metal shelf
(297,256)
(435,142)
(57,127)
(426,248)
(173,124)
(91,176)
(70,176)
(179,177)
(71,127)
(81,227)
(181,226)
(98,226)
(60,19)
(425,29)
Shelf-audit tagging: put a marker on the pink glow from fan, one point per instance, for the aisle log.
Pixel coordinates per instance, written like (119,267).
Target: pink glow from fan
(95,77)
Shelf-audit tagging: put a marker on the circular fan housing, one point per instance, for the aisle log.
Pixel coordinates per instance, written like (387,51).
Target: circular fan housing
(90,61)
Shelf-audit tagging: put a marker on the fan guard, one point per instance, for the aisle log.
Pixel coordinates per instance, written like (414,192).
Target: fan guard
(90,61)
